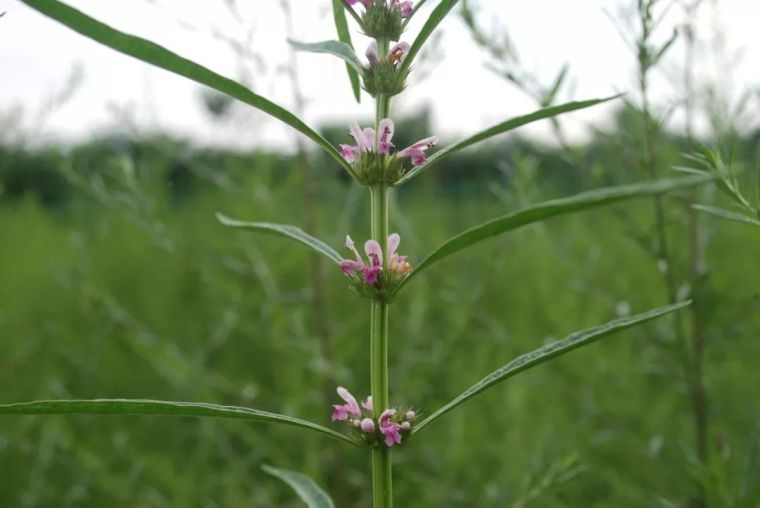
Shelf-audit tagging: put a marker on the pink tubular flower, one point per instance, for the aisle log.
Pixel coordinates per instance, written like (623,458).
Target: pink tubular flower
(398,51)
(341,412)
(417,151)
(390,429)
(371,270)
(406,9)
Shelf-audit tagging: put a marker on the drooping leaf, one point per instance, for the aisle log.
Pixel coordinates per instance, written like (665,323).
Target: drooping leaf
(335,48)
(503,127)
(546,353)
(438,14)
(727,214)
(161,57)
(306,488)
(553,208)
(341,27)
(160,408)
(286,231)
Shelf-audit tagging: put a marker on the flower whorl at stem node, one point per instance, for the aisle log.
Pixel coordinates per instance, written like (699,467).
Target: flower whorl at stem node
(383,76)
(392,427)
(371,279)
(371,157)
(383,19)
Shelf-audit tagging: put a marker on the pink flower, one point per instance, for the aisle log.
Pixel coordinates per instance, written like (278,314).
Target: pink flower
(389,429)
(417,151)
(367,141)
(372,269)
(398,51)
(342,411)
(373,56)
(367,404)
(406,9)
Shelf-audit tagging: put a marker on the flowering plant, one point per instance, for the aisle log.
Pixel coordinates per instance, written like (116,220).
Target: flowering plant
(374,425)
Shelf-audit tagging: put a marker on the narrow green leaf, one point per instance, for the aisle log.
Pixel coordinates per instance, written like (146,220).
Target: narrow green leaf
(335,48)
(543,354)
(438,14)
(291,232)
(727,214)
(503,127)
(306,488)
(160,408)
(553,208)
(161,57)
(341,27)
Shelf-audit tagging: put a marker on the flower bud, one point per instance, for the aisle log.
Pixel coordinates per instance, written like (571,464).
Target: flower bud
(410,415)
(368,426)
(406,425)
(383,21)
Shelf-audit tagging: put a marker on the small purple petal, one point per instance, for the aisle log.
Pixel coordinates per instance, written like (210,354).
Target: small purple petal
(372,53)
(340,412)
(374,252)
(352,405)
(371,274)
(349,153)
(362,142)
(367,404)
(393,241)
(406,9)
(349,266)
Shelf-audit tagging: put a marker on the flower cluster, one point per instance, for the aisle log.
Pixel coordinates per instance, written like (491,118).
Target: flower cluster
(371,278)
(383,75)
(391,427)
(371,156)
(384,18)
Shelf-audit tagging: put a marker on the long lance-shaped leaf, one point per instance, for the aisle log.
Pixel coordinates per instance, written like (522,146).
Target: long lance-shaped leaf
(286,231)
(546,353)
(306,488)
(161,57)
(341,27)
(553,208)
(161,408)
(335,48)
(727,214)
(503,127)
(438,14)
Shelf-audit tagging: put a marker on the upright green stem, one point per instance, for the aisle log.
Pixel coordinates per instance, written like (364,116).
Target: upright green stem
(381,457)
(382,479)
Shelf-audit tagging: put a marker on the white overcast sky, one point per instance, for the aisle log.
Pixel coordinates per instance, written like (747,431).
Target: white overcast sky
(37,55)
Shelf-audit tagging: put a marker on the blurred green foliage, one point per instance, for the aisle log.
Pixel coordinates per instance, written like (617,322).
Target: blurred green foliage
(118,282)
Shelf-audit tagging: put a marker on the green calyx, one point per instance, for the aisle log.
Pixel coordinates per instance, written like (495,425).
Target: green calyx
(382,22)
(384,78)
(373,169)
(383,290)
